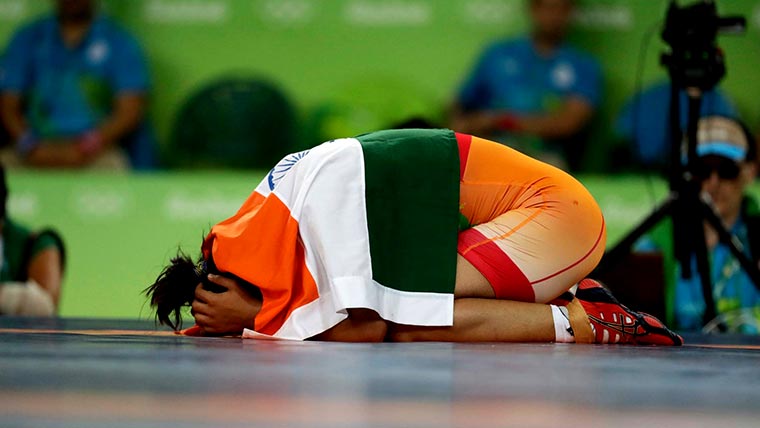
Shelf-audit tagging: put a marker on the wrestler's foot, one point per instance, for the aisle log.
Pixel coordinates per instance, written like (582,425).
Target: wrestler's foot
(615,323)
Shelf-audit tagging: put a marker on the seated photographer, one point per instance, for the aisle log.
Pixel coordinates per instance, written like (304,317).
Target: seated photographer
(726,166)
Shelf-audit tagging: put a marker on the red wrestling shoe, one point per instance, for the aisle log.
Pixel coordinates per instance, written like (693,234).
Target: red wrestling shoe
(615,323)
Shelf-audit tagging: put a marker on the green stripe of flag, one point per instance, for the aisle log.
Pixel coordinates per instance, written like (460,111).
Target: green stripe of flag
(412,198)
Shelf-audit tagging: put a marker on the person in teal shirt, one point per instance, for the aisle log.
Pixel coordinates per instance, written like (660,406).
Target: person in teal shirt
(73,88)
(727,165)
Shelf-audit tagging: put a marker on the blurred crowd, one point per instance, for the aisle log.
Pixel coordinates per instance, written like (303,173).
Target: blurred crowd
(76,91)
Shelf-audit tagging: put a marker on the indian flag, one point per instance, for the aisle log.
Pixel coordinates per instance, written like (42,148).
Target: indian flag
(367,222)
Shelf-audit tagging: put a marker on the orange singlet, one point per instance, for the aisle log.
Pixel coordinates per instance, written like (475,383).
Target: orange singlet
(536,230)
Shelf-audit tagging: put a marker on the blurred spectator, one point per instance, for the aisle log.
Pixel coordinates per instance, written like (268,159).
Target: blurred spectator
(727,165)
(648,143)
(536,92)
(73,88)
(32,266)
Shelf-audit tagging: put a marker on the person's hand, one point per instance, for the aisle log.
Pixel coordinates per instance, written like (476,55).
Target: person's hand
(223,313)
(90,144)
(475,123)
(486,121)
(58,153)
(483,122)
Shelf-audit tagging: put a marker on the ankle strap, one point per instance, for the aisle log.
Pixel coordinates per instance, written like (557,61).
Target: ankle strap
(579,322)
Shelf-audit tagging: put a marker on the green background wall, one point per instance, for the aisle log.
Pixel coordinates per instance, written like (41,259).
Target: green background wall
(365,64)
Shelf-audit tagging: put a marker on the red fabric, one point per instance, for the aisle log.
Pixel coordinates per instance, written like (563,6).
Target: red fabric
(505,277)
(464,141)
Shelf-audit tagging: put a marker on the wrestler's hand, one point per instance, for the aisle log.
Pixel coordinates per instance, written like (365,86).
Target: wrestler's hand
(228,312)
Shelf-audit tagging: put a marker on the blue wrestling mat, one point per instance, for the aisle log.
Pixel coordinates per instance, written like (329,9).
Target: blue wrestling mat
(110,373)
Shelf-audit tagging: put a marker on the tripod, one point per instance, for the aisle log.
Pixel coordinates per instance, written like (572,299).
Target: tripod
(685,204)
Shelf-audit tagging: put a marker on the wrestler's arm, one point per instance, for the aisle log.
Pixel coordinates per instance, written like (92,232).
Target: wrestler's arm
(228,312)
(235,309)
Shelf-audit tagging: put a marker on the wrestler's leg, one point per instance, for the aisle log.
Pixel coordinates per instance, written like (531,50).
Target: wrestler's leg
(479,317)
(536,230)
(485,320)
(470,282)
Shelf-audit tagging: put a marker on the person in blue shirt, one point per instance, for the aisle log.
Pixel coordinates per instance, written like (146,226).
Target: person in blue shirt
(73,88)
(726,165)
(535,93)
(649,140)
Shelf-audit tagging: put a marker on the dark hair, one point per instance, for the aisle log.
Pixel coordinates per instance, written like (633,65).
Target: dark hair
(173,289)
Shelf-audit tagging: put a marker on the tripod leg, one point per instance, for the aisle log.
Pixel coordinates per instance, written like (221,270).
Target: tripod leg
(694,212)
(703,269)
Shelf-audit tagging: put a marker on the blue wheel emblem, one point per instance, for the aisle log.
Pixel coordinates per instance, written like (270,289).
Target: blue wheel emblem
(279,170)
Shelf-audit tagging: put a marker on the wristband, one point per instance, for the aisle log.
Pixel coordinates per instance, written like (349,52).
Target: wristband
(508,122)
(26,144)
(90,143)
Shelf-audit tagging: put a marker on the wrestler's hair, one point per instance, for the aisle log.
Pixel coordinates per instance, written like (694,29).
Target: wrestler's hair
(174,288)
